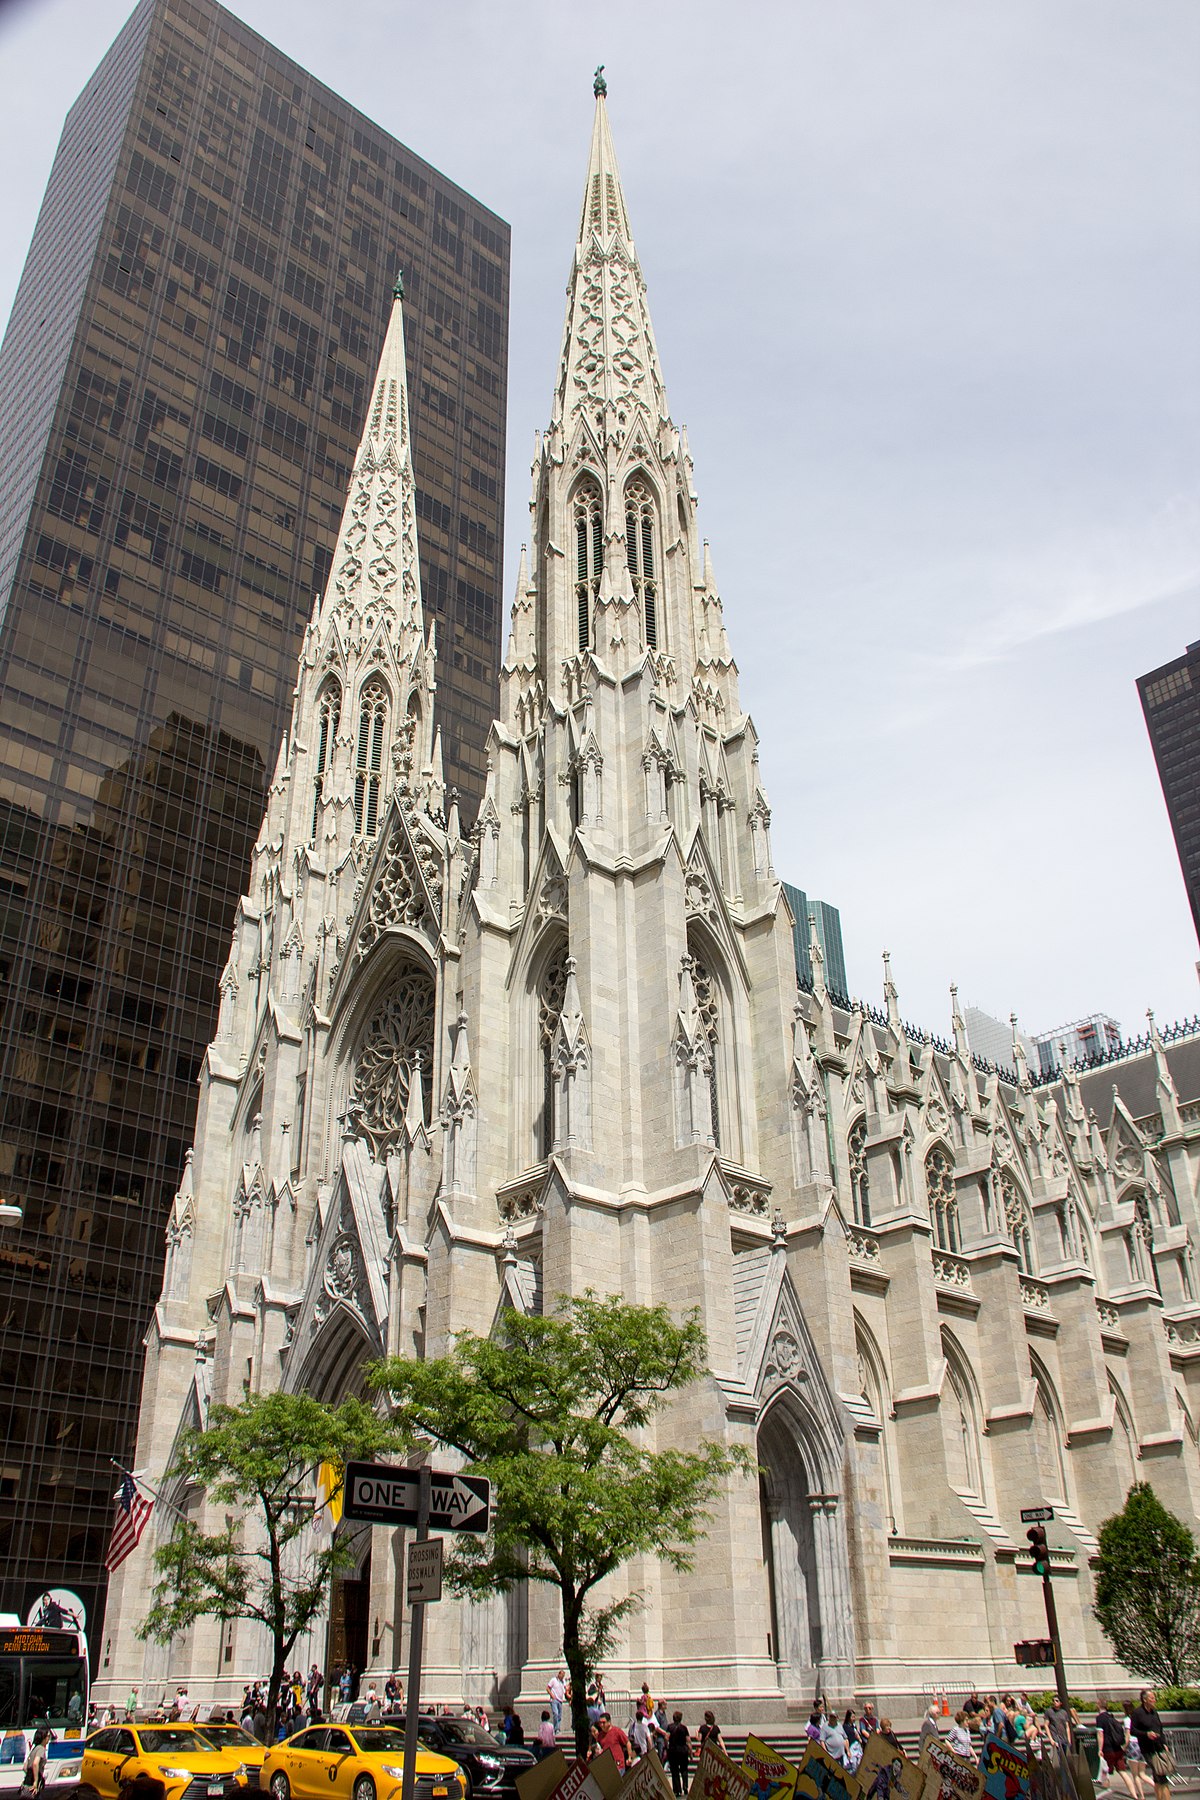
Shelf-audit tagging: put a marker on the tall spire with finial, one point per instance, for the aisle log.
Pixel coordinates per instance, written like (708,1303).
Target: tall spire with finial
(375,575)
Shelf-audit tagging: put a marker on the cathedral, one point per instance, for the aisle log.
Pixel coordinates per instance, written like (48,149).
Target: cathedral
(457,1071)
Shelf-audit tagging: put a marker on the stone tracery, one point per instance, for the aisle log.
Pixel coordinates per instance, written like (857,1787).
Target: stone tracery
(398,1034)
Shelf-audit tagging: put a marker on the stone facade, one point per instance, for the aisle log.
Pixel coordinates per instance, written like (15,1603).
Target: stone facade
(457,1072)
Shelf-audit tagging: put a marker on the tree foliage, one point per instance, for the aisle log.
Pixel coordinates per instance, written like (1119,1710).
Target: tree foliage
(551,1411)
(257,1461)
(1148,1590)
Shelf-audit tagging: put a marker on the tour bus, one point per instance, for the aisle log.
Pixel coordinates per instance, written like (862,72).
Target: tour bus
(43,1681)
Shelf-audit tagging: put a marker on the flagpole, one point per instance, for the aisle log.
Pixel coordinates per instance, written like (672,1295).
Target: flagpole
(140,1481)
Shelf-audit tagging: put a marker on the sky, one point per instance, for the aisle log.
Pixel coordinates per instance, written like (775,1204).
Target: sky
(925,279)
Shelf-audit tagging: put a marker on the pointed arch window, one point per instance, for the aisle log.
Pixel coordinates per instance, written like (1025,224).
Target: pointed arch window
(943,1200)
(860,1181)
(1017,1223)
(641,533)
(551,990)
(707,1000)
(964,1445)
(1048,1435)
(369,753)
(589,556)
(329,717)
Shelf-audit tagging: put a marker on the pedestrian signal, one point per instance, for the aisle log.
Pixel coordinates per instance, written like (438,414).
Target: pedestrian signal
(1034,1653)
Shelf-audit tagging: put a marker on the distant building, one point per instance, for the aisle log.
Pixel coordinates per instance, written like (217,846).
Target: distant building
(1097,1035)
(992,1038)
(829,936)
(1171,702)
(183,385)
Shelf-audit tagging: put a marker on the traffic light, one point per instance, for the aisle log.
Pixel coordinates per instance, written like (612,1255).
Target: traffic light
(1034,1653)
(1039,1549)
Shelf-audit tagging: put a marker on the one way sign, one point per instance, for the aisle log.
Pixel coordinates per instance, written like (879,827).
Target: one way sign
(375,1495)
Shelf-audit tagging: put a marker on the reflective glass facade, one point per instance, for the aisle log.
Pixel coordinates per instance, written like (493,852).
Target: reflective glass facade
(182,389)
(1171,703)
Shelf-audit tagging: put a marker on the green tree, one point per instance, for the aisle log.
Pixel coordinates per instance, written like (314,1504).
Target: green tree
(1148,1590)
(258,1461)
(551,1410)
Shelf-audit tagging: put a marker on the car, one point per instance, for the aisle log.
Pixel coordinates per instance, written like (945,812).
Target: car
(354,1762)
(489,1766)
(227,1735)
(166,1762)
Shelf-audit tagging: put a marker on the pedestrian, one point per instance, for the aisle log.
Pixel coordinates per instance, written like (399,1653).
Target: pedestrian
(996,1715)
(679,1750)
(506,1724)
(639,1733)
(959,1735)
(35,1762)
(1147,1728)
(1060,1722)
(610,1737)
(547,1738)
(516,1731)
(374,1706)
(931,1728)
(813,1728)
(833,1741)
(1114,1741)
(710,1729)
(868,1725)
(885,1727)
(556,1687)
(645,1703)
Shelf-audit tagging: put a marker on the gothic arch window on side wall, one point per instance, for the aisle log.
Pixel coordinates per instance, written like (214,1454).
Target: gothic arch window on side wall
(1048,1436)
(329,717)
(874,1387)
(398,1031)
(1125,1444)
(551,990)
(943,1199)
(641,548)
(860,1181)
(370,749)
(589,555)
(963,1439)
(1017,1223)
(708,999)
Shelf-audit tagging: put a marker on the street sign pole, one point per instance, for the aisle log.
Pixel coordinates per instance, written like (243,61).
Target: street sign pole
(416,1632)
(1060,1673)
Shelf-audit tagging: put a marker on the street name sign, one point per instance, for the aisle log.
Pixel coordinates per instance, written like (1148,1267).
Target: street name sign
(375,1495)
(424,1571)
(1036,1515)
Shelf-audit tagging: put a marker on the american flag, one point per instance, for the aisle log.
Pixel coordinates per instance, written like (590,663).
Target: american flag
(133,1509)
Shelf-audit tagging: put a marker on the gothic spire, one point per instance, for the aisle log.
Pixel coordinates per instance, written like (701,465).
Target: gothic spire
(375,575)
(609,365)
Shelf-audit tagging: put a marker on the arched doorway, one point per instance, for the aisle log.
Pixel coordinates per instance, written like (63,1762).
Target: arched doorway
(804,1544)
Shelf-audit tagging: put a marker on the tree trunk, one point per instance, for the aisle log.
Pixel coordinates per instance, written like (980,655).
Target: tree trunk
(577,1670)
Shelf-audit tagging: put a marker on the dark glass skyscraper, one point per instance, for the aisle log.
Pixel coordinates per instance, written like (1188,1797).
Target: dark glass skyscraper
(1171,702)
(182,389)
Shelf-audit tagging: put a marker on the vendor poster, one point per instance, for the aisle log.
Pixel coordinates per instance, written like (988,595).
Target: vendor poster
(554,1778)
(647,1780)
(716,1778)
(819,1777)
(774,1777)
(887,1774)
(1005,1769)
(947,1776)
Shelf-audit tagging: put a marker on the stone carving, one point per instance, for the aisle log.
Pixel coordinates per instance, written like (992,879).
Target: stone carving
(1034,1297)
(1128,1161)
(399,1035)
(552,901)
(952,1272)
(341,1271)
(784,1361)
(407,888)
(863,1246)
(697,892)
(743,1198)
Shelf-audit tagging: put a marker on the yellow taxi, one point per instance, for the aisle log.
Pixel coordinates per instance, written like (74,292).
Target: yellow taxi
(168,1762)
(354,1762)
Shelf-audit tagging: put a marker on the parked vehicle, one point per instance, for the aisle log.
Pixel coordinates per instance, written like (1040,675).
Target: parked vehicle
(354,1762)
(489,1766)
